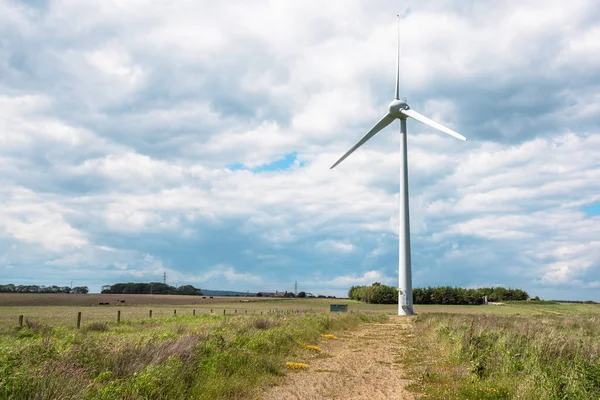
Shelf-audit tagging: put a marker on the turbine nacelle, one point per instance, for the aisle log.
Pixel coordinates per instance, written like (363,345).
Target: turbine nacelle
(395,108)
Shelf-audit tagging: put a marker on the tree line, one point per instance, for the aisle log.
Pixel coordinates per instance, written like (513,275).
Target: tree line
(456,295)
(10,288)
(383,294)
(150,288)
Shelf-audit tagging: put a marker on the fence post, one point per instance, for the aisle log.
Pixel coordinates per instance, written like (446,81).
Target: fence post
(78,319)
(118,316)
(150,314)
(20,320)
(174,312)
(194,312)
(223,311)
(211,310)
(246,311)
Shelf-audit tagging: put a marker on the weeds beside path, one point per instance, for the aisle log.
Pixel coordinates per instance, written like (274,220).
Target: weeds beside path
(362,364)
(500,357)
(183,357)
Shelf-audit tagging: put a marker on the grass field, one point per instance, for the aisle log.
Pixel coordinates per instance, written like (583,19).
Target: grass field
(523,350)
(62,309)
(179,357)
(526,351)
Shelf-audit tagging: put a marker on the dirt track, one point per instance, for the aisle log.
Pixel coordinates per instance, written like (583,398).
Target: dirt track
(358,365)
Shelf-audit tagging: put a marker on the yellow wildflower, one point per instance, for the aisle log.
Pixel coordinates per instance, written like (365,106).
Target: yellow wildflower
(309,347)
(296,365)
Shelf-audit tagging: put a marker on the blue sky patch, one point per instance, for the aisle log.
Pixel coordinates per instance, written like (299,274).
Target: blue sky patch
(236,166)
(592,209)
(280,164)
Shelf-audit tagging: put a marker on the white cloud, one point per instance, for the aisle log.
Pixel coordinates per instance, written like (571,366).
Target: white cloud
(227,272)
(335,246)
(25,218)
(367,278)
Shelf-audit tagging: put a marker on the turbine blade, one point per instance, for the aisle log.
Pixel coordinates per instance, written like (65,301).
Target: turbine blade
(433,124)
(385,121)
(397,95)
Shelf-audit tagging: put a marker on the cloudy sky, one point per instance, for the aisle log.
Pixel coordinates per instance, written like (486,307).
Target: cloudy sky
(195,137)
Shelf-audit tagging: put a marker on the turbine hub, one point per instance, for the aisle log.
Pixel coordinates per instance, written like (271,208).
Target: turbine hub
(397,105)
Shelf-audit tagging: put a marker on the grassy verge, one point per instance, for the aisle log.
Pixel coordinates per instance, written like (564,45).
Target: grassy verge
(202,357)
(504,357)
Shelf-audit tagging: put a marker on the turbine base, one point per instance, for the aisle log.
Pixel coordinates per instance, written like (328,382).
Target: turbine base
(406,310)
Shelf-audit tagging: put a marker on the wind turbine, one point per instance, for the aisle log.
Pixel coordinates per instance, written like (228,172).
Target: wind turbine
(398,109)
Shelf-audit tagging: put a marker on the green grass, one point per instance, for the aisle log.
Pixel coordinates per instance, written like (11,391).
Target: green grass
(201,357)
(550,355)
(516,350)
(513,308)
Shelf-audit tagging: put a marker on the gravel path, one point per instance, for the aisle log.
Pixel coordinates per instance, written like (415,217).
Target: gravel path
(363,364)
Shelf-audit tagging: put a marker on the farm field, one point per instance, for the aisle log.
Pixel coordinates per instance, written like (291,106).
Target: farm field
(63,299)
(62,309)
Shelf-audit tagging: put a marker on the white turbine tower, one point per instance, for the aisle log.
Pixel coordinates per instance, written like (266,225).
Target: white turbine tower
(400,110)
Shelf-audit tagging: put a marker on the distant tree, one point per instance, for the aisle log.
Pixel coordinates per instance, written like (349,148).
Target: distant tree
(80,290)
(375,294)
(353,293)
(289,294)
(259,294)
(149,288)
(301,295)
(189,290)
(10,288)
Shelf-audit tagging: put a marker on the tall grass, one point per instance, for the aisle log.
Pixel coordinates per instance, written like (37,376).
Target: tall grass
(501,357)
(204,357)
